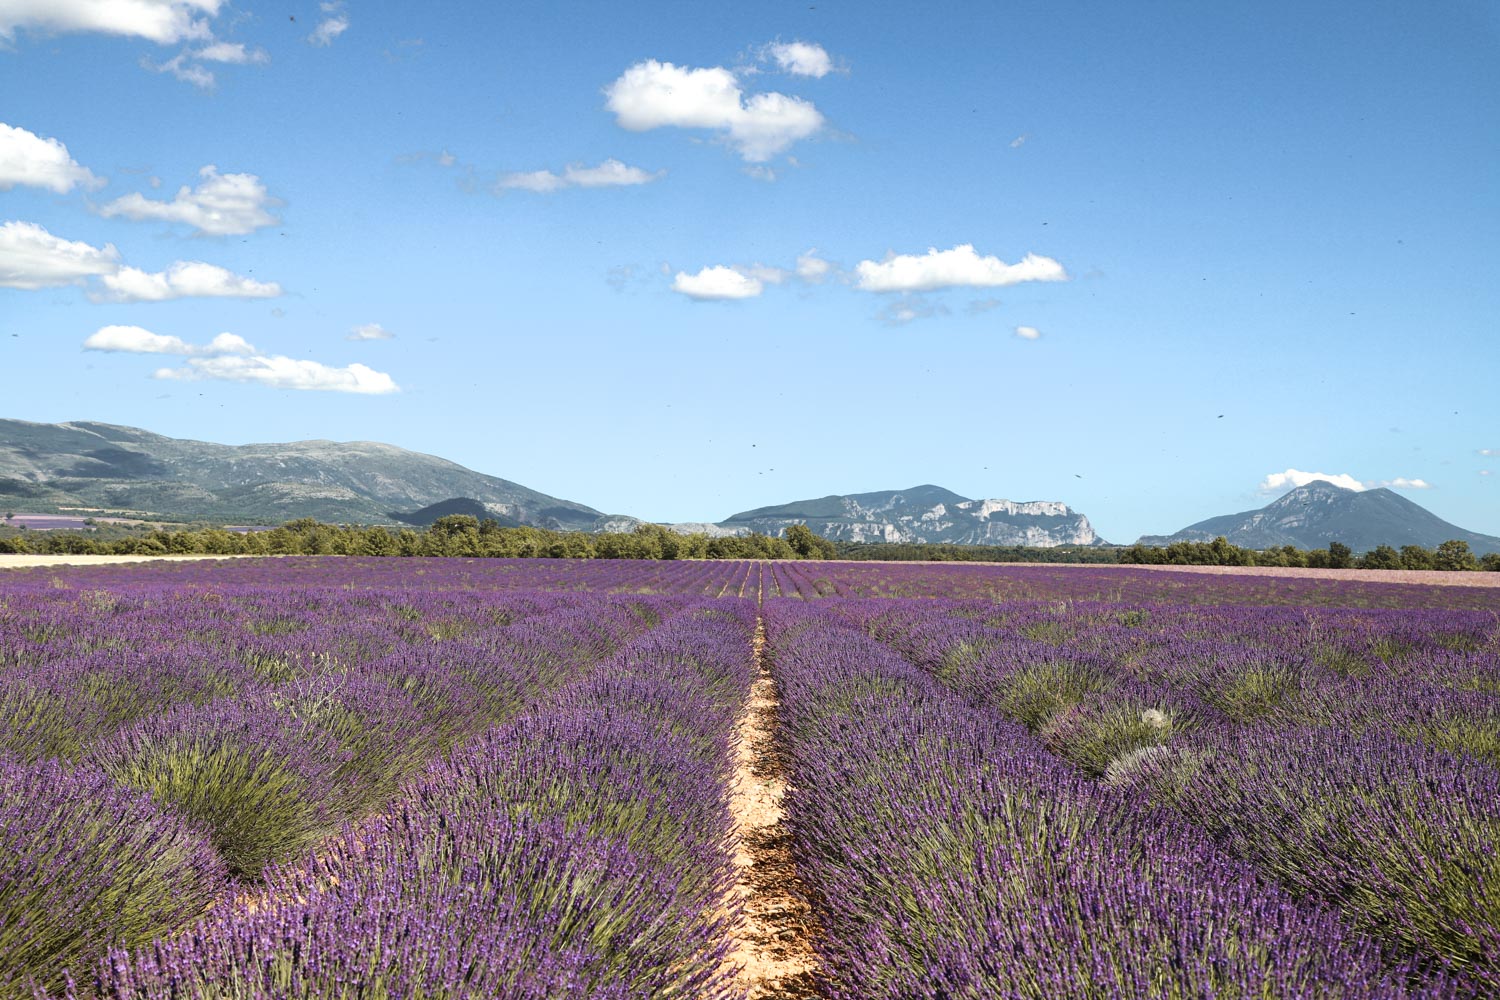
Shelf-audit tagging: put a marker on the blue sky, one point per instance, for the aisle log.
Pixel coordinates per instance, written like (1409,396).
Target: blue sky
(678,260)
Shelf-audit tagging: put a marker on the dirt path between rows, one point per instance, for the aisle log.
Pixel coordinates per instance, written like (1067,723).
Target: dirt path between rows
(773,944)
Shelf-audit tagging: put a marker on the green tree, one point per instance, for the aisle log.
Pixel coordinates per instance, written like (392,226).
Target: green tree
(1339,556)
(1454,555)
(1416,557)
(1380,557)
(1490,562)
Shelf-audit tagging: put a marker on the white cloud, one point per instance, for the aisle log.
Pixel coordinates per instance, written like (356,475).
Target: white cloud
(1019,141)
(1278,481)
(812,268)
(187,65)
(160,21)
(1291,478)
(959,267)
(334,24)
(27,158)
(654,94)
(1490,452)
(801,58)
(183,69)
(233,53)
(31,257)
(1028,333)
(717,282)
(278,372)
(184,279)
(230,358)
(610,173)
(221,205)
(139,340)
(370,331)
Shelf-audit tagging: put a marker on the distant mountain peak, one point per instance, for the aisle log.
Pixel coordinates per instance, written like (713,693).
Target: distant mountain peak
(1317,513)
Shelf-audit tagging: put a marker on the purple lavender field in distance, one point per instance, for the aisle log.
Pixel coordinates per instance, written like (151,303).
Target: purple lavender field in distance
(312,777)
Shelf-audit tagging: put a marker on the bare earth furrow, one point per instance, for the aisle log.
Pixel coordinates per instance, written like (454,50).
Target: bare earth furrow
(773,942)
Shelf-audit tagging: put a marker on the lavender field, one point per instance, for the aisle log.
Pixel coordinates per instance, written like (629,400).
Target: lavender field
(407,778)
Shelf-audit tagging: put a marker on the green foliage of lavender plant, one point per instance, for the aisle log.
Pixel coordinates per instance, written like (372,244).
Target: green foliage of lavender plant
(85,864)
(1401,837)
(1093,736)
(1255,691)
(1033,694)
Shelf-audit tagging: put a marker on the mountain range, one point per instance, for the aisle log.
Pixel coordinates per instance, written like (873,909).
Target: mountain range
(1312,516)
(87,466)
(93,465)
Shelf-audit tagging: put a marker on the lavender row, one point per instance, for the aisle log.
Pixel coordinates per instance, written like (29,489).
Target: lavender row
(951,857)
(1372,813)
(577,850)
(449,576)
(258,773)
(1083,676)
(1119,584)
(805,579)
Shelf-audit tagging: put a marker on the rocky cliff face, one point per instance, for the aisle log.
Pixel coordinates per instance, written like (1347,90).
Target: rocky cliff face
(925,514)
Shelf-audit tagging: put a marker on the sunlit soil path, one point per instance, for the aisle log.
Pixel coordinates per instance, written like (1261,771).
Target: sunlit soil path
(10,560)
(773,943)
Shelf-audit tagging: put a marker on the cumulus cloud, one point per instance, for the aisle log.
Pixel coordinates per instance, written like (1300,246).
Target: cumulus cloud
(27,158)
(221,205)
(278,372)
(959,267)
(1028,333)
(654,94)
(801,58)
(184,279)
(162,21)
(717,282)
(370,331)
(230,358)
(1401,483)
(139,340)
(335,22)
(610,173)
(31,257)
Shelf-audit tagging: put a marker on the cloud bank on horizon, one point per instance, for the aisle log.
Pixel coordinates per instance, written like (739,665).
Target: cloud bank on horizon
(1280,482)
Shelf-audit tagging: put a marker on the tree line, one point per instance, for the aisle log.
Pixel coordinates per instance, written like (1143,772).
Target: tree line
(1452,555)
(466,535)
(453,535)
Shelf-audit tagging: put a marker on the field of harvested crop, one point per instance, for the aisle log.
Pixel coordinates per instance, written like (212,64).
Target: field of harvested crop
(396,778)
